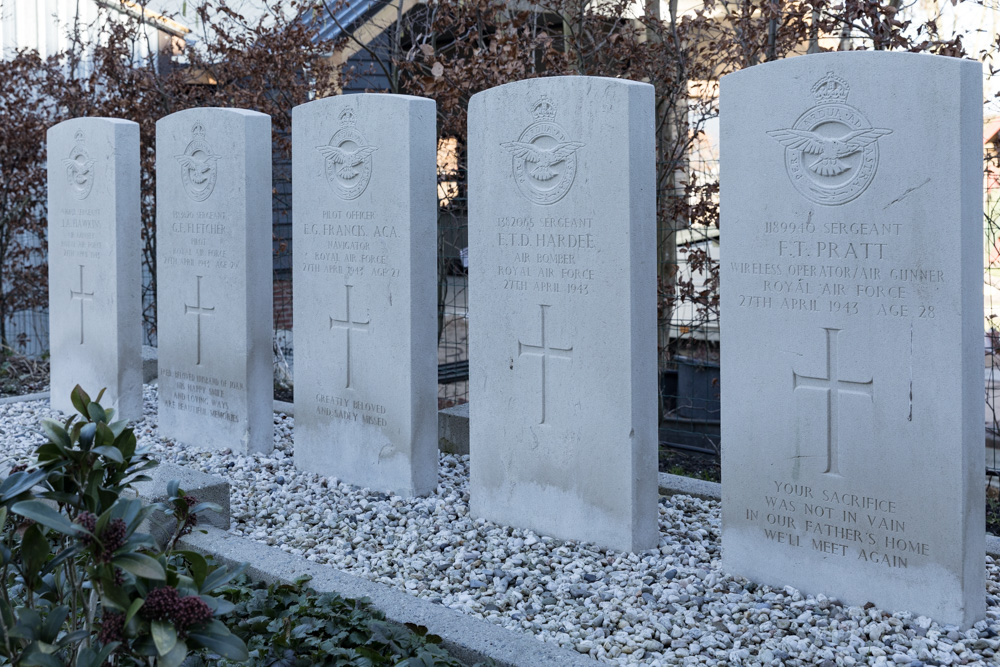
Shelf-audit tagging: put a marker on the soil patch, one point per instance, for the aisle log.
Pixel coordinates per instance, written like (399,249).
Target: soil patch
(690,464)
(20,375)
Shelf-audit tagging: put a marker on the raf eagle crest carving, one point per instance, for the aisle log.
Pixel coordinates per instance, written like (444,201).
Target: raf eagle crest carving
(348,158)
(80,168)
(199,166)
(831,152)
(544,160)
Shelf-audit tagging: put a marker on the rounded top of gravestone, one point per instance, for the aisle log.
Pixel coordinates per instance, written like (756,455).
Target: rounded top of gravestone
(556,82)
(180,116)
(358,101)
(820,63)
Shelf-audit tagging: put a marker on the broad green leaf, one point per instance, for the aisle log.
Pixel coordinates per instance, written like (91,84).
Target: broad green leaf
(173,486)
(198,564)
(106,652)
(49,452)
(87,434)
(80,399)
(28,623)
(104,434)
(219,606)
(61,497)
(135,480)
(104,519)
(53,624)
(110,452)
(143,644)
(88,658)
(57,434)
(105,497)
(6,614)
(39,654)
(176,656)
(118,427)
(221,576)
(133,608)
(140,565)
(226,645)
(100,395)
(205,506)
(34,552)
(70,551)
(164,636)
(96,413)
(94,489)
(133,525)
(183,583)
(140,541)
(20,482)
(128,510)
(72,638)
(45,515)
(127,443)
(115,598)
(369,653)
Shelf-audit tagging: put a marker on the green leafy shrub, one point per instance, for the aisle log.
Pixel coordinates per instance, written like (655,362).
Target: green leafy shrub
(290,625)
(83,586)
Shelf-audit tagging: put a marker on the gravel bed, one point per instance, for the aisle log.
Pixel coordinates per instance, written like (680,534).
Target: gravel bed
(668,606)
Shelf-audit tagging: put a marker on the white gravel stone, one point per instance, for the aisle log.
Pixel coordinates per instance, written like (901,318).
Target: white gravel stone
(666,606)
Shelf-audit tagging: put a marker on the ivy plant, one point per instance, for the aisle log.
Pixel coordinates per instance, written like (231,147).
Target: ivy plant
(292,625)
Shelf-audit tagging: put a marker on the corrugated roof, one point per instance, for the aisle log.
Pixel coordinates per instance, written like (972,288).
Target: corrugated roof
(343,18)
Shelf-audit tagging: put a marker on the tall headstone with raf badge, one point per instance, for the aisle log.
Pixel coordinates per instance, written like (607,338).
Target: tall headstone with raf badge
(95,319)
(562,348)
(852,388)
(365,220)
(213,256)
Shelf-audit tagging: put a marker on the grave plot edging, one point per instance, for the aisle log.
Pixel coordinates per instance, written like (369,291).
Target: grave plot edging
(467,638)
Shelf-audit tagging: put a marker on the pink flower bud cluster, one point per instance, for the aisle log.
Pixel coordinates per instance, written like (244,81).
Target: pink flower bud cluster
(166,604)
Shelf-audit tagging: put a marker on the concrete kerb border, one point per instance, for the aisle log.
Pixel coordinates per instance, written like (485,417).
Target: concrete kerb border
(467,638)
(26,398)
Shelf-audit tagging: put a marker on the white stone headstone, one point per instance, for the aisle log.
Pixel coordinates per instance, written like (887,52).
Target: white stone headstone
(95,263)
(214,276)
(852,326)
(365,243)
(562,303)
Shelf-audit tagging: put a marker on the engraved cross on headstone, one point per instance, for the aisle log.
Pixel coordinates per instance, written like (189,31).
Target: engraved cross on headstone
(81,296)
(833,386)
(544,351)
(349,325)
(198,311)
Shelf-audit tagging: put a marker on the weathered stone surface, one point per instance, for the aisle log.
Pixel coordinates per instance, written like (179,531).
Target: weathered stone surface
(562,291)
(453,429)
(365,221)
(852,336)
(95,320)
(213,233)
